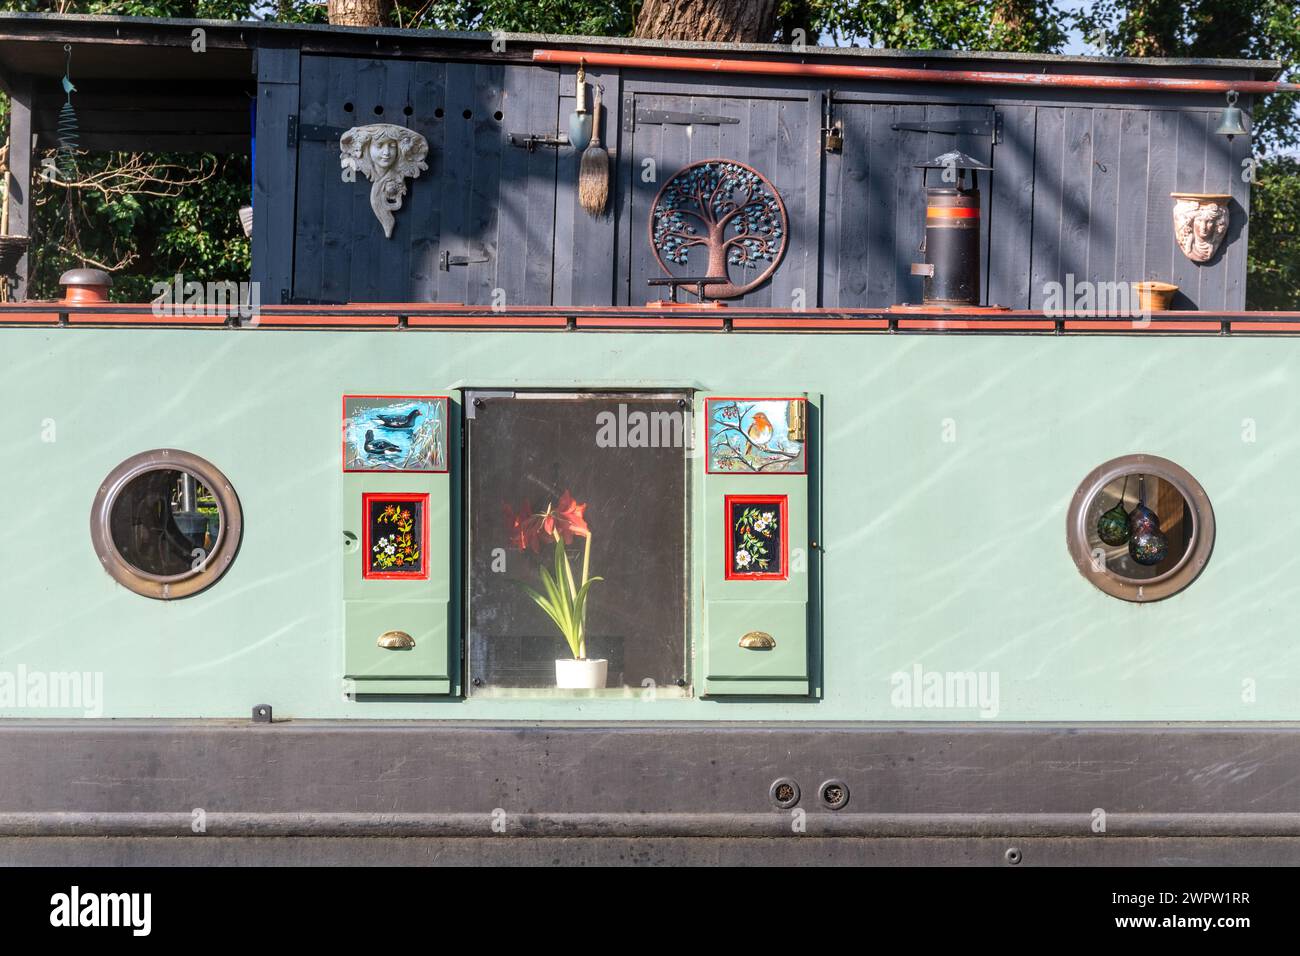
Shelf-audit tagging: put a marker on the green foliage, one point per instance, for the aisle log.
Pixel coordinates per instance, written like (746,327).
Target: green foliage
(154,237)
(1246,29)
(565,601)
(1273,269)
(1021,26)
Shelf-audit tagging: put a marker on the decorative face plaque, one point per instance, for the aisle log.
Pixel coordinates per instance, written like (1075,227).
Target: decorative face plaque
(387,155)
(396,530)
(730,210)
(394,433)
(761,436)
(1200,223)
(757,546)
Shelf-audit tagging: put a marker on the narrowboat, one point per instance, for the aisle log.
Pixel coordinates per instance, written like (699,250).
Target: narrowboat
(649,452)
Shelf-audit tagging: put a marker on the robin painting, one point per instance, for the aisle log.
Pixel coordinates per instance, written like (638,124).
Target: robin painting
(760,430)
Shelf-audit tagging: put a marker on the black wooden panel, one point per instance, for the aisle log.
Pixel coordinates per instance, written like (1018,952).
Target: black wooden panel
(870,197)
(1076,181)
(1103,203)
(481,200)
(878,221)
(1010,210)
(1131,216)
(1049,161)
(585,254)
(1226,175)
(1189,176)
(771,135)
(526,250)
(1160,182)
(274,178)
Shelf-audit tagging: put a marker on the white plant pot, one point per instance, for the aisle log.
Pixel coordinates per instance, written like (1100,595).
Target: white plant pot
(581,675)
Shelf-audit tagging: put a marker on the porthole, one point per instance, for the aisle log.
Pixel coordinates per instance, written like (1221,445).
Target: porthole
(166,524)
(1140,528)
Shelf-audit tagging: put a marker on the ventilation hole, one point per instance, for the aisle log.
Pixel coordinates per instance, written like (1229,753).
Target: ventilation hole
(438,112)
(467,114)
(407,111)
(347,107)
(498,116)
(379,111)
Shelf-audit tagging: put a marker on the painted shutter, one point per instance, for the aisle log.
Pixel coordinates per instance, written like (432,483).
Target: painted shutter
(415,601)
(753,470)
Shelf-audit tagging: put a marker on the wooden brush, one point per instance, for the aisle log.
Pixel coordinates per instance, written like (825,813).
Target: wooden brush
(593,174)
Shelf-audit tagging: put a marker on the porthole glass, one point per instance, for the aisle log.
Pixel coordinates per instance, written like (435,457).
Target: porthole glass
(165,524)
(1140,528)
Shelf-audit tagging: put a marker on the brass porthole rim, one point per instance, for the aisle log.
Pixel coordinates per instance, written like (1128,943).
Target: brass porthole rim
(166,587)
(1194,559)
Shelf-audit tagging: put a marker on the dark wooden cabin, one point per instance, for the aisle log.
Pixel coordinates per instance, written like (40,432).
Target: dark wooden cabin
(1080,183)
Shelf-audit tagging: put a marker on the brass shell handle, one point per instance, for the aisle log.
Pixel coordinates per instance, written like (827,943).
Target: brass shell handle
(758,641)
(396,641)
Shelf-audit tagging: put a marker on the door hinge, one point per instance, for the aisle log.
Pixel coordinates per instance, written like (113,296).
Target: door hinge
(649,117)
(991,128)
(446,260)
(292,129)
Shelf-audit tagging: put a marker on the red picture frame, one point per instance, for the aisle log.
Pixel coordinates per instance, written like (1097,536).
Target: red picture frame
(781,505)
(370,498)
(423,399)
(709,426)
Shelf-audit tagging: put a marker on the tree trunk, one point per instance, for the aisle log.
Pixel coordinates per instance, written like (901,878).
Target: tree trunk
(713,21)
(359,13)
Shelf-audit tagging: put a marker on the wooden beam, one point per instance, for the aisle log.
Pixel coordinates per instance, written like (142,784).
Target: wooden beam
(19,180)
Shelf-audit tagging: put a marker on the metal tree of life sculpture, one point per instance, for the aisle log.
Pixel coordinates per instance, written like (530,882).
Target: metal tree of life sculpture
(729,209)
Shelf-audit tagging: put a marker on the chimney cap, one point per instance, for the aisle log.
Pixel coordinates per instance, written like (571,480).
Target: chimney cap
(86,277)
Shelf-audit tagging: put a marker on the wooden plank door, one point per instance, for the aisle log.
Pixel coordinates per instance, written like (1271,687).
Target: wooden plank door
(778,137)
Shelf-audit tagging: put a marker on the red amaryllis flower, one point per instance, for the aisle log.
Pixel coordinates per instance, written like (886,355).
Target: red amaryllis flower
(567,518)
(522,528)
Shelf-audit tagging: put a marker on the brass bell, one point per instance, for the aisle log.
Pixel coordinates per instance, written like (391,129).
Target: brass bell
(1230,124)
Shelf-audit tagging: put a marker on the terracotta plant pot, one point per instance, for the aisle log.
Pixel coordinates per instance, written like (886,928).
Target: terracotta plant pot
(581,675)
(1155,296)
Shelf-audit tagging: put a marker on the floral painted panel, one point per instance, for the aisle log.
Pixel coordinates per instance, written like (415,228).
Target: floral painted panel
(394,433)
(396,532)
(757,543)
(756,435)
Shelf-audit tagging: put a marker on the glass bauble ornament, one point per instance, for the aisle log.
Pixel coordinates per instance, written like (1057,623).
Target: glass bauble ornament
(1148,548)
(1112,526)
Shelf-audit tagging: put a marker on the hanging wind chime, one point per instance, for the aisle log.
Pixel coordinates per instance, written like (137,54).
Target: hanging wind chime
(69,134)
(69,143)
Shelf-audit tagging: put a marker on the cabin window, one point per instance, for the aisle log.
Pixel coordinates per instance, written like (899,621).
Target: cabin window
(567,487)
(166,524)
(1140,528)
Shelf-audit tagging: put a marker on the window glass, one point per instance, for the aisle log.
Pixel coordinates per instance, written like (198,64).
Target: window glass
(1140,528)
(603,477)
(165,522)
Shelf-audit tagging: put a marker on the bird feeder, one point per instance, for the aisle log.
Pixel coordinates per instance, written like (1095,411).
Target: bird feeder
(952,231)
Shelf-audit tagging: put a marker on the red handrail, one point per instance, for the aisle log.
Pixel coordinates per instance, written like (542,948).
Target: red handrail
(1164,84)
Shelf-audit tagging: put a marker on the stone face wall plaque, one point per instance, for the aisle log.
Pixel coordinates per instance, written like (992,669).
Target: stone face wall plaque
(387,155)
(1200,223)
